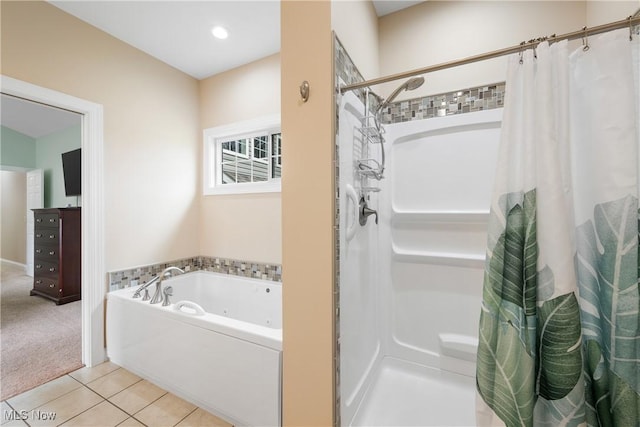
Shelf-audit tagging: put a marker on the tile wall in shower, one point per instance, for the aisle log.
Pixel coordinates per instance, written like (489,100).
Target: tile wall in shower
(446,104)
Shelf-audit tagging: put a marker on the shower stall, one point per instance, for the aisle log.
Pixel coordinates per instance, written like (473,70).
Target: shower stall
(414,199)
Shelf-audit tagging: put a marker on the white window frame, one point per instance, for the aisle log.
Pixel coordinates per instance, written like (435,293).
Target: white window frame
(213,137)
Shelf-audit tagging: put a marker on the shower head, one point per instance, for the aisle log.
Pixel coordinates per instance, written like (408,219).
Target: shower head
(414,83)
(411,84)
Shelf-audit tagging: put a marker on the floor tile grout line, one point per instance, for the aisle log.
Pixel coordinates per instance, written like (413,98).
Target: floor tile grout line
(109,397)
(94,379)
(14,410)
(131,416)
(80,413)
(103,398)
(100,403)
(186,416)
(50,400)
(141,409)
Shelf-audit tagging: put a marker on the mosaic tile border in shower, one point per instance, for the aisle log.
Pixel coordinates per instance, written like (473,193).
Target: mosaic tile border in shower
(138,275)
(470,100)
(345,70)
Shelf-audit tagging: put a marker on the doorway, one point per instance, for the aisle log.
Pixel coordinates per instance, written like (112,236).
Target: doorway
(93,269)
(34,138)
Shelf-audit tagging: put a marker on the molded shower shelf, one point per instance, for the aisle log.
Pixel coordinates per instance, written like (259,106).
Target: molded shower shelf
(467,217)
(439,258)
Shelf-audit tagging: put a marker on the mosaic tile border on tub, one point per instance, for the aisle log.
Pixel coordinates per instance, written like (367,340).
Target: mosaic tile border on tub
(254,270)
(138,275)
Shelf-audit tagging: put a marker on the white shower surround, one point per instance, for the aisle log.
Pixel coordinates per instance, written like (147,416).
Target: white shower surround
(422,265)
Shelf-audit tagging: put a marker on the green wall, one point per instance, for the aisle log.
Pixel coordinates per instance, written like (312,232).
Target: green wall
(48,158)
(17,149)
(21,151)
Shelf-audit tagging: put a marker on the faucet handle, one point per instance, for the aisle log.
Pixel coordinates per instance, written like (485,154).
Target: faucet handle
(168,291)
(365,212)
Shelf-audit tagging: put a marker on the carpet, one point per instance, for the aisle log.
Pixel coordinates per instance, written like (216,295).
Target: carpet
(39,341)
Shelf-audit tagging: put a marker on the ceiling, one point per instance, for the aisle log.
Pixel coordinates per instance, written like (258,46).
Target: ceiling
(177,33)
(34,119)
(386,7)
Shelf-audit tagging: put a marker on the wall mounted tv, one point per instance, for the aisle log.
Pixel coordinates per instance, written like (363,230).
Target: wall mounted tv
(72,170)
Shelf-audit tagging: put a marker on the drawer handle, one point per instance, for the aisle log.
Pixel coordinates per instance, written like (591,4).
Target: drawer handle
(38,219)
(52,220)
(38,282)
(52,236)
(51,252)
(38,266)
(52,269)
(38,251)
(51,285)
(38,235)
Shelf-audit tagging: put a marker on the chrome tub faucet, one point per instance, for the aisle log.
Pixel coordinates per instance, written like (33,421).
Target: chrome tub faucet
(157,296)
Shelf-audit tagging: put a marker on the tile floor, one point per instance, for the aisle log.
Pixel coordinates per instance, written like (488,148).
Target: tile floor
(105,395)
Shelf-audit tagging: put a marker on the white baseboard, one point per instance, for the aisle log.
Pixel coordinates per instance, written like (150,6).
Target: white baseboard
(14,264)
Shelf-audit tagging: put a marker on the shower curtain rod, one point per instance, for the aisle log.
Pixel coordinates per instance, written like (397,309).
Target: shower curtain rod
(585,32)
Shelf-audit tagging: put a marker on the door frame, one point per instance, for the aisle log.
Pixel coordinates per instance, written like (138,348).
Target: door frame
(30,258)
(93,265)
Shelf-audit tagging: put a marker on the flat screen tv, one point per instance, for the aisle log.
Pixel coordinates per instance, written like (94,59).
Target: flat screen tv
(72,170)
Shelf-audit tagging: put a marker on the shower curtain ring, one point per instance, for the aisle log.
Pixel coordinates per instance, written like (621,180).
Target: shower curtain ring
(630,29)
(585,40)
(521,52)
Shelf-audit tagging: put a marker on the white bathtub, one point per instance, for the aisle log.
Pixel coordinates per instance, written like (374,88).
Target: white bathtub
(227,360)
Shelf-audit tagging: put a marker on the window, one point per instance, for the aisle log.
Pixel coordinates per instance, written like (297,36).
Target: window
(244,157)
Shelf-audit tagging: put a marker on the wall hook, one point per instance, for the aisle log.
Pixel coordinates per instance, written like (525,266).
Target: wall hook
(304,91)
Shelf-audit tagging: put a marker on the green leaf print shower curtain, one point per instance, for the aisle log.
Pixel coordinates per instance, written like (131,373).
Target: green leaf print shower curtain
(559,340)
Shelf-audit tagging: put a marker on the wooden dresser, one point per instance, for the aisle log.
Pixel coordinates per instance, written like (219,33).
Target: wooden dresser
(57,258)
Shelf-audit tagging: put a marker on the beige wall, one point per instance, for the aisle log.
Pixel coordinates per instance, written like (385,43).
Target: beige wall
(602,12)
(307,214)
(434,32)
(356,25)
(13,211)
(246,226)
(151,127)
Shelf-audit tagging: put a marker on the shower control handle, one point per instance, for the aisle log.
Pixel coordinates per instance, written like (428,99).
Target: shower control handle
(365,212)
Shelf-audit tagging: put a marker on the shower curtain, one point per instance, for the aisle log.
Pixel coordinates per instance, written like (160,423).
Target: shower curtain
(559,340)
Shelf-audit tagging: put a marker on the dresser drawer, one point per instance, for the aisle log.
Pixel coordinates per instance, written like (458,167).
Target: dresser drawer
(46,220)
(47,286)
(46,236)
(57,254)
(44,268)
(47,253)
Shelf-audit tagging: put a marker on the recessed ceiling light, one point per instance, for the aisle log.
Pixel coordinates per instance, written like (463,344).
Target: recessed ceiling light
(219,33)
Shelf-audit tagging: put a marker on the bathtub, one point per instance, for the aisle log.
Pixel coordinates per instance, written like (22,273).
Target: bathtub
(218,345)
